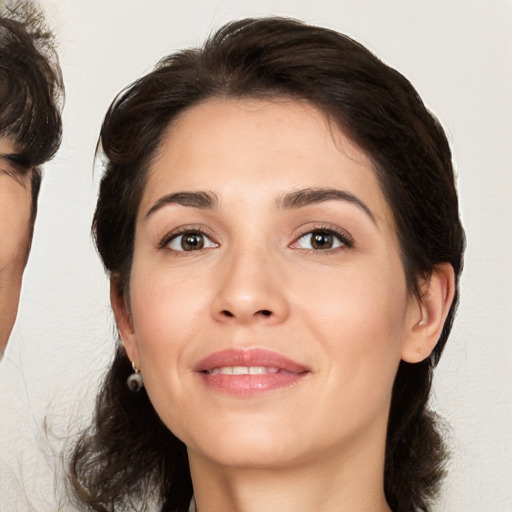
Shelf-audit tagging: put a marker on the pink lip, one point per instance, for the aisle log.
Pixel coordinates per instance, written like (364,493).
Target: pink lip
(284,372)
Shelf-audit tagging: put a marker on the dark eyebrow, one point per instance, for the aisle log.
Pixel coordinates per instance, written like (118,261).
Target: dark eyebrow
(308,196)
(203,200)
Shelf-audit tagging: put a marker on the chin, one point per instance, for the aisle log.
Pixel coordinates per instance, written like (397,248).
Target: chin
(249,448)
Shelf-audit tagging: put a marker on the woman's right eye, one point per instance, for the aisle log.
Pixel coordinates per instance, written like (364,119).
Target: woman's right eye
(189,241)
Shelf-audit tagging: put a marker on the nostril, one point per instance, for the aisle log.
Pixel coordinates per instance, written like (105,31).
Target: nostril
(263,312)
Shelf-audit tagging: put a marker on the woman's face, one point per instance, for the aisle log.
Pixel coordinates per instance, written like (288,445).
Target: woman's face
(15,229)
(268,307)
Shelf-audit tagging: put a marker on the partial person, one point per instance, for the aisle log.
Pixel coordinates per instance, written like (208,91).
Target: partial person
(279,221)
(31,94)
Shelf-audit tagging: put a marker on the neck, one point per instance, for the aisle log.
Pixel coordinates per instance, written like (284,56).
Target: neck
(327,485)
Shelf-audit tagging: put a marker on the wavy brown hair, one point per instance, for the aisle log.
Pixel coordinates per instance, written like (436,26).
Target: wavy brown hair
(128,455)
(31,88)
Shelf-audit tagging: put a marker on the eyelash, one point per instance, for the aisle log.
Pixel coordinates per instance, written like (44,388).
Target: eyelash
(342,236)
(190,230)
(346,240)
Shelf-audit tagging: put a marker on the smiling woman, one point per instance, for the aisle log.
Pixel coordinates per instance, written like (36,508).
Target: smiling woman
(279,221)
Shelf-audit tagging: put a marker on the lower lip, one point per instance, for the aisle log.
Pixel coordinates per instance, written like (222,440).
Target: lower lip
(251,384)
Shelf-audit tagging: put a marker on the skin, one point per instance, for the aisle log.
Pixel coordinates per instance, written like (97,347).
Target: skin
(15,230)
(343,313)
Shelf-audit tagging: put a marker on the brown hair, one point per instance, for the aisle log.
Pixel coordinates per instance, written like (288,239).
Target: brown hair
(128,453)
(31,88)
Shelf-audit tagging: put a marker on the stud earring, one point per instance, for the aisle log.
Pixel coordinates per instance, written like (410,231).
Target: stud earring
(134,381)
(421,323)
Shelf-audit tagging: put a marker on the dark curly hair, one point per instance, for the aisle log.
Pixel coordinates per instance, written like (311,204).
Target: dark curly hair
(31,88)
(129,455)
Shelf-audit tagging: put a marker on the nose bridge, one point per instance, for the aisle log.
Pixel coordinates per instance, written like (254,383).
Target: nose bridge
(249,288)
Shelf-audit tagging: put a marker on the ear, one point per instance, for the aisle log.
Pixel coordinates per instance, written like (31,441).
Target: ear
(124,321)
(427,314)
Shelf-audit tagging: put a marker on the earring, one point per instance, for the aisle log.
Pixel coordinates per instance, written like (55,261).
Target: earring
(134,381)
(421,323)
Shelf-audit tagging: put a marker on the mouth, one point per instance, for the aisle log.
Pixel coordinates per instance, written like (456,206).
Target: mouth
(242,370)
(246,372)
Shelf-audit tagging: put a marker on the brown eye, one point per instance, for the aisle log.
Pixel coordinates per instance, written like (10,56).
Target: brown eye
(319,240)
(190,241)
(322,240)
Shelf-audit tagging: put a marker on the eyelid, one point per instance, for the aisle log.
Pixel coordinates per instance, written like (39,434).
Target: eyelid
(344,236)
(183,230)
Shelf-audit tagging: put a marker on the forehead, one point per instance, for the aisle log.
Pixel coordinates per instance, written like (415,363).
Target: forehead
(276,126)
(252,147)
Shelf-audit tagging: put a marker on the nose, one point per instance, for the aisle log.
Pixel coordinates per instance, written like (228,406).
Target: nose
(250,289)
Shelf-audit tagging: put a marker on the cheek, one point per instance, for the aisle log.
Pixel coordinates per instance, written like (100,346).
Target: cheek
(167,312)
(15,210)
(373,292)
(15,232)
(360,323)
(166,301)
(360,318)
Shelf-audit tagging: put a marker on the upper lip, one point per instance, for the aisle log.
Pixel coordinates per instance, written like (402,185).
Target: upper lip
(249,357)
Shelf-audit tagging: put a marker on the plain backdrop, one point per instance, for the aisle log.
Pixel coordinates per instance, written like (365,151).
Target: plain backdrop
(458,54)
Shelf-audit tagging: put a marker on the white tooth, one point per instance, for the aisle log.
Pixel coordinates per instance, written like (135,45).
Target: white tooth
(243,370)
(257,370)
(240,370)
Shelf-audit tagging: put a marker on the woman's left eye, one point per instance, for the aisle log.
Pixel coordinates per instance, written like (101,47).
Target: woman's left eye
(322,239)
(189,241)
